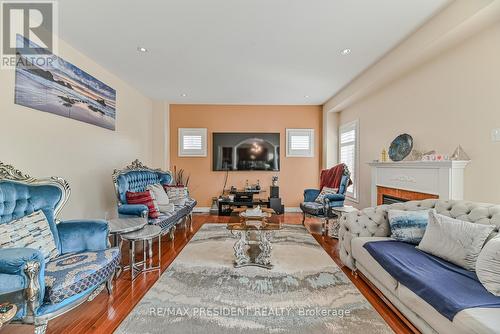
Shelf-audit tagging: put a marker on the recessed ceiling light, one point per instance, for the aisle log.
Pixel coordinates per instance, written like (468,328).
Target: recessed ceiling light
(183,94)
(345,52)
(142,49)
(306,96)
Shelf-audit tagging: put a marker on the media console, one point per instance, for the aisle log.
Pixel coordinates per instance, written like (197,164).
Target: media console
(241,198)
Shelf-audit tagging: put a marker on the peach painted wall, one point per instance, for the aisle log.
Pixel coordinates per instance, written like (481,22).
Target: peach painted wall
(295,175)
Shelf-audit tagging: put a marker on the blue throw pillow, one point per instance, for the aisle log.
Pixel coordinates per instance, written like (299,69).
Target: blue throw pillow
(408,226)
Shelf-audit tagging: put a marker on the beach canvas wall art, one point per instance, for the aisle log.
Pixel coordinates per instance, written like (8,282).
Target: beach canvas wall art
(59,87)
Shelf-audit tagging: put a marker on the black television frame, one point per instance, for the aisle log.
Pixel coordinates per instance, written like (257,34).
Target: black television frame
(248,135)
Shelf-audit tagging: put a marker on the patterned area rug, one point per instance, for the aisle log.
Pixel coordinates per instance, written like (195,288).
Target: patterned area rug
(305,292)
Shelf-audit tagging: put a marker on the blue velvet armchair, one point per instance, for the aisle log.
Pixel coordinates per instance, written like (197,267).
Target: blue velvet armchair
(136,177)
(310,207)
(84,265)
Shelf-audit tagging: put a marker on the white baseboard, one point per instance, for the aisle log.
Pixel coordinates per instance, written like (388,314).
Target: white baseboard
(206,209)
(201,209)
(292,209)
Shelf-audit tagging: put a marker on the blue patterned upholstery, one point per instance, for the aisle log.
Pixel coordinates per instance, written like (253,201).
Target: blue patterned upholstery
(322,210)
(21,196)
(19,200)
(312,208)
(167,220)
(71,274)
(138,180)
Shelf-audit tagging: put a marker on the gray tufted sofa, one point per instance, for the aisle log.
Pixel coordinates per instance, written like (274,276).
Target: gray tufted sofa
(371,224)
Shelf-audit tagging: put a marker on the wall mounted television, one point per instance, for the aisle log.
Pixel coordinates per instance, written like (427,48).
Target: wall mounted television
(246,151)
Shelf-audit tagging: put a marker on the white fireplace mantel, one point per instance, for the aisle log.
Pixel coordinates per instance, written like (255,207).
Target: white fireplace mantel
(442,178)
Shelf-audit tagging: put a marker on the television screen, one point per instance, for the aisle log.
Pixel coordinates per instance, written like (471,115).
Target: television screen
(246,151)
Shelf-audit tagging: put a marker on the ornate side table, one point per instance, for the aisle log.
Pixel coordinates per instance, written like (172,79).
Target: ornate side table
(147,233)
(334,224)
(119,226)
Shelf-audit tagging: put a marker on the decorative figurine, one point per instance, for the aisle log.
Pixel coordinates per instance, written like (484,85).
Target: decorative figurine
(384,157)
(459,154)
(274,181)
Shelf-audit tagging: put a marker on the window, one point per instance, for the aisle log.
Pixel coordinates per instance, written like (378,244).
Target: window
(349,154)
(300,142)
(192,142)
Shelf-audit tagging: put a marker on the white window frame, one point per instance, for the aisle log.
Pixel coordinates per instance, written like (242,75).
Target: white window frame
(300,153)
(193,132)
(354,195)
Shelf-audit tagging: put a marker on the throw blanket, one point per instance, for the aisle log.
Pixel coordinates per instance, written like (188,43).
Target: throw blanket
(332,177)
(447,287)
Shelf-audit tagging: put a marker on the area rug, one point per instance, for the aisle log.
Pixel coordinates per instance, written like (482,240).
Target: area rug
(201,292)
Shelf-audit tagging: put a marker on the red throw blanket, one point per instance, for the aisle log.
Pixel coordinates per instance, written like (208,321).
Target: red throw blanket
(332,177)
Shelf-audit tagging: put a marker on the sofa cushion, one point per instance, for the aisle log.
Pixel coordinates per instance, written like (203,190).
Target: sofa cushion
(312,208)
(177,194)
(454,240)
(365,260)
(445,286)
(325,191)
(144,197)
(408,226)
(478,320)
(160,197)
(168,219)
(31,231)
(488,266)
(73,273)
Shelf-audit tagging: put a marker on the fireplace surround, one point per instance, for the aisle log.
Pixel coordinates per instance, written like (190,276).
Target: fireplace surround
(417,180)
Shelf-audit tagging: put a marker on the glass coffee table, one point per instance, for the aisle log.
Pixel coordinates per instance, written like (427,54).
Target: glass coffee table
(254,236)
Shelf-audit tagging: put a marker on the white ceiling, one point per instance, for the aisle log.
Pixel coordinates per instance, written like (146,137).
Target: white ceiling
(239,51)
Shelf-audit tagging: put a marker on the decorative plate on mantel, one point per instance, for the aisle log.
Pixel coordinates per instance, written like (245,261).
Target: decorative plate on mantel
(401,147)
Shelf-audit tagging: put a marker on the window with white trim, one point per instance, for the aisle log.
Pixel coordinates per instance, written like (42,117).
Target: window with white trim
(300,143)
(349,154)
(192,142)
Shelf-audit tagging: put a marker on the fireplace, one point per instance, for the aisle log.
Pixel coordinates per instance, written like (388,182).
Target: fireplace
(387,195)
(416,180)
(386,199)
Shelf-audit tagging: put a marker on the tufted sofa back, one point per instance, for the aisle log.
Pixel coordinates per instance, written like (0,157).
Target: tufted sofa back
(18,200)
(479,213)
(376,223)
(373,222)
(138,181)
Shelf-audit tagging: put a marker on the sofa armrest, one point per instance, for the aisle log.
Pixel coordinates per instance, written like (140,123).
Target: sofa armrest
(369,222)
(28,263)
(310,195)
(139,210)
(83,235)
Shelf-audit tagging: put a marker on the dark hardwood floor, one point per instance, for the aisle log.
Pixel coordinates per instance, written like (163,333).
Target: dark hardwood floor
(105,312)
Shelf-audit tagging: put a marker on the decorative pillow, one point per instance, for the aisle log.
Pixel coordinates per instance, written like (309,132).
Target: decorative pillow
(325,191)
(408,226)
(488,266)
(454,240)
(145,198)
(160,196)
(31,231)
(158,193)
(176,194)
